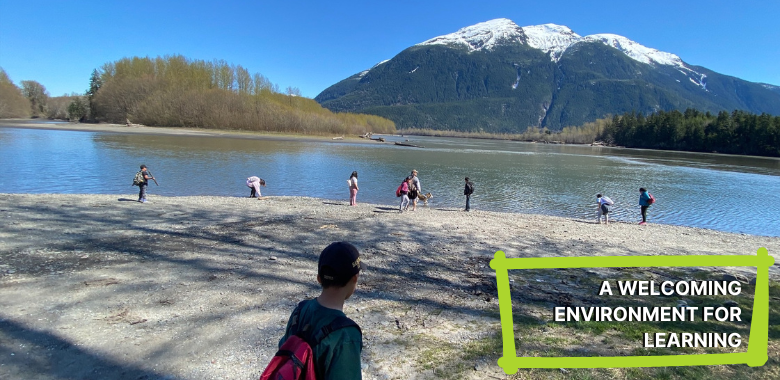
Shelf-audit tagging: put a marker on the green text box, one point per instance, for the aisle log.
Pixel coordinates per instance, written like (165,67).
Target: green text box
(755,356)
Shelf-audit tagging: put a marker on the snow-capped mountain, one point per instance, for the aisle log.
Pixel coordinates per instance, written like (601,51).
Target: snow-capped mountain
(497,76)
(485,35)
(549,38)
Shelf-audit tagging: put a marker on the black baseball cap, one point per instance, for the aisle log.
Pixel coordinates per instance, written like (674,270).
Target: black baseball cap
(143,166)
(339,262)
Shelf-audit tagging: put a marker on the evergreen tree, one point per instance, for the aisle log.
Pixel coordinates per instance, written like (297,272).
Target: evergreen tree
(94,86)
(77,110)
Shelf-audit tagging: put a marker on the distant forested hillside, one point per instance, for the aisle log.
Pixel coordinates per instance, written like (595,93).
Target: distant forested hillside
(738,132)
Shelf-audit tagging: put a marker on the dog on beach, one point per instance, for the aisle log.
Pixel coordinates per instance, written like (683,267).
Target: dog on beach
(425,197)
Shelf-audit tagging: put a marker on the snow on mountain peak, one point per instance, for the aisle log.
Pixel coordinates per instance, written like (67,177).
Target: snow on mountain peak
(636,51)
(484,35)
(550,38)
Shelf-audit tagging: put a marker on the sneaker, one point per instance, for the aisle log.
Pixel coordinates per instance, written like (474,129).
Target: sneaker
(642,223)
(144,200)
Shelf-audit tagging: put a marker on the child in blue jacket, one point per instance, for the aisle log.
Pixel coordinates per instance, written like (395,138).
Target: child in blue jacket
(644,203)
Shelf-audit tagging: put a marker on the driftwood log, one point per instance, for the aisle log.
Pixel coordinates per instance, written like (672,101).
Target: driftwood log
(407,144)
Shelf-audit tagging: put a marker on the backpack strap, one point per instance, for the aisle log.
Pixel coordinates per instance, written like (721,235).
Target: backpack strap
(337,324)
(296,314)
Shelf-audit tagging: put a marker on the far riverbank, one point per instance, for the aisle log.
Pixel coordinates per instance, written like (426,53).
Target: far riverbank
(147,130)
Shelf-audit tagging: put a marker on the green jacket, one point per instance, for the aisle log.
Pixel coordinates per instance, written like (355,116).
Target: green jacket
(338,355)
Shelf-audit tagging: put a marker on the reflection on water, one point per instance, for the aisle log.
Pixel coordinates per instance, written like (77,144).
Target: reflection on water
(730,193)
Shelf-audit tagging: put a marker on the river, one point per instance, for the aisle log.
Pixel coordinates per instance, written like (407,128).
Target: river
(727,193)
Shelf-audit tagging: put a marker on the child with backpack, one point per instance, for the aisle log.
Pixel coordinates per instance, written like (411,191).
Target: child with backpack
(320,342)
(604,207)
(141,180)
(403,192)
(645,200)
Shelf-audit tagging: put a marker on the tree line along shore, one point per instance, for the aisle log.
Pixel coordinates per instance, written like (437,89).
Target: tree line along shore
(174,91)
(738,132)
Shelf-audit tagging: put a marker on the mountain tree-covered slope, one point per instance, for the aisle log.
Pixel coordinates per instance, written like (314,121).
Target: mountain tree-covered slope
(498,77)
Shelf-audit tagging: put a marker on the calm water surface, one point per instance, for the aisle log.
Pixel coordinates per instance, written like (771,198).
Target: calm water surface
(728,193)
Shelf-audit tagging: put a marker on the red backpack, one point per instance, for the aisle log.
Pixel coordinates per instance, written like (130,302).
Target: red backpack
(651,200)
(295,359)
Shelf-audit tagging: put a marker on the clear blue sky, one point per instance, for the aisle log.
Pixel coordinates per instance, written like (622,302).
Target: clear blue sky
(314,44)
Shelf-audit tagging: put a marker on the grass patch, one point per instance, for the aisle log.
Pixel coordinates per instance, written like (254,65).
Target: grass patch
(534,337)
(491,347)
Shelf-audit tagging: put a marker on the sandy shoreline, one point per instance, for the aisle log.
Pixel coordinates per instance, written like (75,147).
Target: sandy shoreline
(145,130)
(100,286)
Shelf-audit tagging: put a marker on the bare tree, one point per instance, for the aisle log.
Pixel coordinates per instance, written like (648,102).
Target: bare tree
(262,84)
(12,102)
(292,91)
(243,80)
(37,95)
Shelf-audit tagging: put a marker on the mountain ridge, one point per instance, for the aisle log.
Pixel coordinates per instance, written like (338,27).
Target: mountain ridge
(542,75)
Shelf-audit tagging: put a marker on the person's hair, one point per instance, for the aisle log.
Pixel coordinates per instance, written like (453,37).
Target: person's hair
(467,178)
(262,182)
(409,178)
(642,189)
(143,166)
(335,283)
(598,195)
(414,171)
(354,174)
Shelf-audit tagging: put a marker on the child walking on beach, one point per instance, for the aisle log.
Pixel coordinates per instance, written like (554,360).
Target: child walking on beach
(404,191)
(145,176)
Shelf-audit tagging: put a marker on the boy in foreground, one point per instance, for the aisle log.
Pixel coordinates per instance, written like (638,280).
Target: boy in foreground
(337,355)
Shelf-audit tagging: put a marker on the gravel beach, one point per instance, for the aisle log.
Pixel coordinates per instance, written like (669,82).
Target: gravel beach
(103,287)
